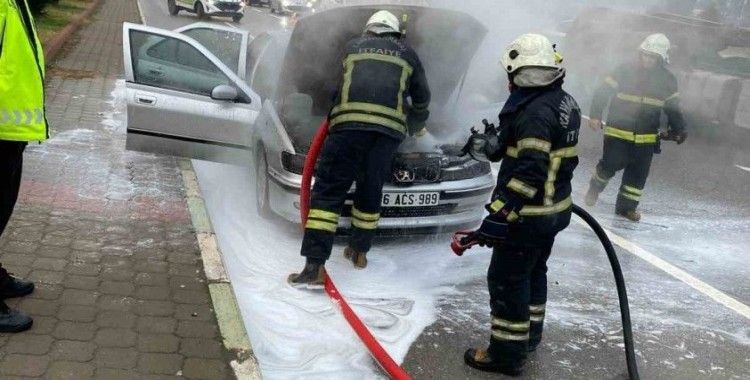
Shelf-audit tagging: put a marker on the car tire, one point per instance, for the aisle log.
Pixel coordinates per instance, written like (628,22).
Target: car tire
(236,18)
(172,7)
(200,11)
(261,184)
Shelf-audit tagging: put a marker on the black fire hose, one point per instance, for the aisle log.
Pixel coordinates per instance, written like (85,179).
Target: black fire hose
(622,294)
(463,241)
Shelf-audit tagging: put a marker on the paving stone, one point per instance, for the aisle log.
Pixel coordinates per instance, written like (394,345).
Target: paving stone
(166,364)
(112,357)
(36,307)
(165,343)
(196,329)
(77,313)
(84,269)
(81,282)
(46,263)
(187,283)
(43,325)
(113,302)
(183,258)
(194,312)
(159,325)
(81,257)
(74,331)
(154,308)
(122,288)
(117,274)
(204,369)
(24,247)
(79,297)
(151,267)
(17,259)
(28,344)
(152,279)
(46,292)
(155,293)
(46,277)
(115,374)
(115,337)
(74,351)
(70,371)
(23,365)
(118,319)
(201,348)
(184,270)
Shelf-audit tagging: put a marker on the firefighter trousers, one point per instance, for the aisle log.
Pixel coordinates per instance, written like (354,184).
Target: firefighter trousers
(11,163)
(517,281)
(348,156)
(635,159)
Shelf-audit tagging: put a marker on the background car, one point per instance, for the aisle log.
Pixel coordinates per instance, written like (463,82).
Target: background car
(206,8)
(260,105)
(301,7)
(258,3)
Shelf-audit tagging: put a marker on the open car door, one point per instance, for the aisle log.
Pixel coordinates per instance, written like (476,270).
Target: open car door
(227,44)
(182,100)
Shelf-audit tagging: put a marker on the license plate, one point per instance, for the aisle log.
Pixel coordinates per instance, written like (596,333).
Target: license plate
(410,199)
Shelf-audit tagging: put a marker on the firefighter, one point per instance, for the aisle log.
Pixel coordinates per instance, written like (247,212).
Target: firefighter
(22,119)
(639,93)
(532,201)
(370,118)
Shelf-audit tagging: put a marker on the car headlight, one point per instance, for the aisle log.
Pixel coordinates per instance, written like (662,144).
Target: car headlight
(293,163)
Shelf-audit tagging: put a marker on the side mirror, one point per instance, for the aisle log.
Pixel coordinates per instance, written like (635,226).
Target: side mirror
(224,92)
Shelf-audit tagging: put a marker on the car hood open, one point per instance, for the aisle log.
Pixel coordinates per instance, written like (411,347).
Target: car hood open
(445,40)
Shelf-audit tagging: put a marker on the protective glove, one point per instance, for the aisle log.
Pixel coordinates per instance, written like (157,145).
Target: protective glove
(494,230)
(677,136)
(481,147)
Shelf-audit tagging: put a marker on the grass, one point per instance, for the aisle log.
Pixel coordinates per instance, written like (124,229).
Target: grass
(56,16)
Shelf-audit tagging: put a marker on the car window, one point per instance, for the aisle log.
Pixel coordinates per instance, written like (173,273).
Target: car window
(225,45)
(170,63)
(268,69)
(254,51)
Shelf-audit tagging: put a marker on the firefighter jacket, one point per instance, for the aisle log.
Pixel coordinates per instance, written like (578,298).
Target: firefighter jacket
(539,135)
(380,73)
(22,115)
(638,97)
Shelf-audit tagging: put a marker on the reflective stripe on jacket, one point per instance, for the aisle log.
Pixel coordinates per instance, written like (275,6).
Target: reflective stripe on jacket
(22,114)
(380,73)
(637,98)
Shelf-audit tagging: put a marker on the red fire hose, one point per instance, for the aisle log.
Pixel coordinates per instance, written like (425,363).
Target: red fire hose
(376,350)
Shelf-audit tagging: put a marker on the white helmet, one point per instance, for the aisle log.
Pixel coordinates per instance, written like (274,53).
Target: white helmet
(383,22)
(530,50)
(657,44)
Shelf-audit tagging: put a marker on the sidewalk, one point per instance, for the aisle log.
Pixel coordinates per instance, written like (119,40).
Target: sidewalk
(107,237)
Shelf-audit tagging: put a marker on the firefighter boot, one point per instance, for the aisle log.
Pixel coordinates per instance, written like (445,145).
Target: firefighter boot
(359,259)
(632,215)
(591,197)
(480,359)
(12,321)
(313,276)
(11,287)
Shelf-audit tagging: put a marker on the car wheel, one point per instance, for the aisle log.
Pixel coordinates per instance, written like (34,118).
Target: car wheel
(199,11)
(173,8)
(261,184)
(236,18)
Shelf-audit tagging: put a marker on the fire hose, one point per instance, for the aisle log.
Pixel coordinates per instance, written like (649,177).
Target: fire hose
(459,246)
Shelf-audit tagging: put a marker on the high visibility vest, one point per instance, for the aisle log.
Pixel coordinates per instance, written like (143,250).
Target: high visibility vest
(22,114)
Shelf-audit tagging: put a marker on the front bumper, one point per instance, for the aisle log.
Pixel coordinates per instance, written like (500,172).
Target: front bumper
(225,9)
(461,203)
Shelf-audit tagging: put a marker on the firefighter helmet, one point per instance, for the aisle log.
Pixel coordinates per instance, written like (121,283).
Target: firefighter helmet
(383,22)
(530,50)
(657,44)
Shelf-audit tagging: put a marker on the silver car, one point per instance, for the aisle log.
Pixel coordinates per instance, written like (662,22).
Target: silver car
(261,101)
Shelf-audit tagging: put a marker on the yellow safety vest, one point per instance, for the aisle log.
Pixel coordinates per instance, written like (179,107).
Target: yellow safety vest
(22,114)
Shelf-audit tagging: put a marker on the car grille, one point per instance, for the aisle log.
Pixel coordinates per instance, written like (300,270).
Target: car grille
(408,212)
(228,7)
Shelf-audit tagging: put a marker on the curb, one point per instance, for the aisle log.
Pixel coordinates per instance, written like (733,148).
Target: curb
(53,46)
(231,325)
